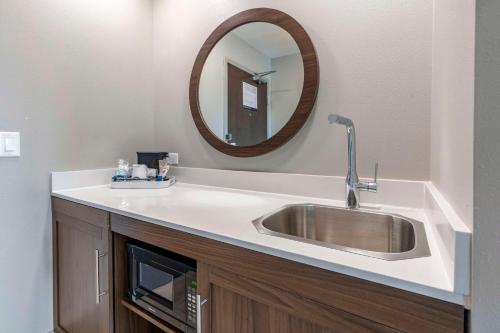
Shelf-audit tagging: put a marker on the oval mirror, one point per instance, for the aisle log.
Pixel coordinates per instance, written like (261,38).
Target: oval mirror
(254,83)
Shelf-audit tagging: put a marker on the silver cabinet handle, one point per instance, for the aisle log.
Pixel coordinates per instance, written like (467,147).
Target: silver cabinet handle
(98,292)
(199,304)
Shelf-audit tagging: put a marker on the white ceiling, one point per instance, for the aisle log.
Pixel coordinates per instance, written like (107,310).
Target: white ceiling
(269,39)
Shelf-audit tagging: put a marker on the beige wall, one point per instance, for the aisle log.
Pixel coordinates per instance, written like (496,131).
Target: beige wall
(486,242)
(375,64)
(76,81)
(452,111)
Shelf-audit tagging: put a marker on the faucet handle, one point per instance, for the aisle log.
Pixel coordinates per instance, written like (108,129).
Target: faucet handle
(370,186)
(373,186)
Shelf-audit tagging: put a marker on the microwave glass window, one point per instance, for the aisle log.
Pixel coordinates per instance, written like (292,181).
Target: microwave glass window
(156,281)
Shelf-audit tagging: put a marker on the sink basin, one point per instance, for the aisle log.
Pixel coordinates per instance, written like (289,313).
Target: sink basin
(369,233)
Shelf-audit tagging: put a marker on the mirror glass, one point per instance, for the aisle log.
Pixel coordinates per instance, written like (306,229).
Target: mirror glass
(251,83)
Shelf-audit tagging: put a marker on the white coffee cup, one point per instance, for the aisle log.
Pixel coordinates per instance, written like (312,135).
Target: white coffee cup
(152,173)
(139,171)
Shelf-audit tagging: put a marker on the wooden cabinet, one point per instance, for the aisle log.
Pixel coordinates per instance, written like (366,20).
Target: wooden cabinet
(240,304)
(81,245)
(247,291)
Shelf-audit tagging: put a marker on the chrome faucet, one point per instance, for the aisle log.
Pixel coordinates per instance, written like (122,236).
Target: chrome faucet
(352,183)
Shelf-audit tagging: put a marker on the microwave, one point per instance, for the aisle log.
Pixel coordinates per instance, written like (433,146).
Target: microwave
(164,284)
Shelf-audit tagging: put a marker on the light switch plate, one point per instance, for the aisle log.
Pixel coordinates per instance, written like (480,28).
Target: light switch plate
(10,144)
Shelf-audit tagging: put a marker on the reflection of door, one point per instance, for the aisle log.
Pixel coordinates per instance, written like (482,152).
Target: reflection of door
(246,127)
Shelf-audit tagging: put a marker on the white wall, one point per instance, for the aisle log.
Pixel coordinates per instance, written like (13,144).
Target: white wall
(452,111)
(486,242)
(76,80)
(213,80)
(286,89)
(465,159)
(375,62)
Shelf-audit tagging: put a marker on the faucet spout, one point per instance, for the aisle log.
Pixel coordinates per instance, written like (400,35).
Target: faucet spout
(335,118)
(353,185)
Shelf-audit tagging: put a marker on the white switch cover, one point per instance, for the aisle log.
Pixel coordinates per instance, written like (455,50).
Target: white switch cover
(173,158)
(10,144)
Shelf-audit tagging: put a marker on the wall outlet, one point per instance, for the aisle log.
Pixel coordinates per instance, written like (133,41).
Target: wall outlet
(10,144)
(173,159)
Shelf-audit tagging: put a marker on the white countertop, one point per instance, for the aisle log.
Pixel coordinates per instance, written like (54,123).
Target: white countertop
(226,215)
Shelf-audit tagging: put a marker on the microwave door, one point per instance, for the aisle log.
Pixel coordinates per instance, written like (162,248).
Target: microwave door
(164,287)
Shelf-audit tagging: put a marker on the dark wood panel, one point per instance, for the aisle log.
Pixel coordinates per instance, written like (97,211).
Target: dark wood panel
(242,305)
(55,273)
(284,323)
(149,318)
(122,321)
(309,90)
(137,324)
(84,227)
(75,241)
(297,308)
(232,312)
(388,306)
(204,290)
(84,213)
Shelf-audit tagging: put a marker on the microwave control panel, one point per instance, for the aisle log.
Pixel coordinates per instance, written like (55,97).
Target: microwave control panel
(191,299)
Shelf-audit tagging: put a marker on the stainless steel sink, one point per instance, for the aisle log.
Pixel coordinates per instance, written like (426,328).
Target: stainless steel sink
(370,233)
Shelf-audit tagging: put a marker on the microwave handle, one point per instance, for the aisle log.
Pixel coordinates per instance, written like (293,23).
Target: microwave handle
(199,305)
(98,293)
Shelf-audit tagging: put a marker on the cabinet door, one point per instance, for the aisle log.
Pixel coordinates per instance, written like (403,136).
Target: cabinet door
(81,269)
(241,304)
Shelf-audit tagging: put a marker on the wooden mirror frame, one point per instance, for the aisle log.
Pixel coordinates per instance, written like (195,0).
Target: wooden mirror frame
(309,90)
